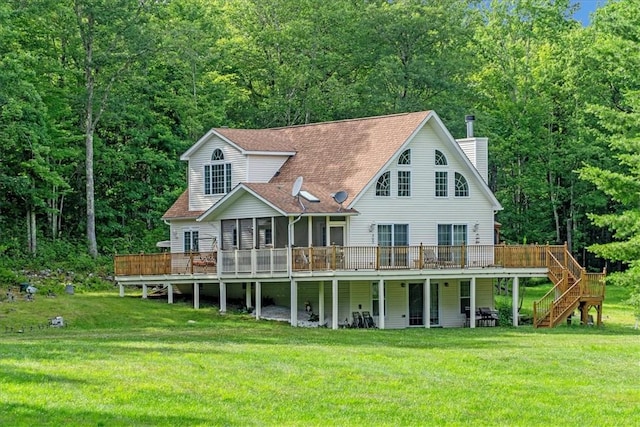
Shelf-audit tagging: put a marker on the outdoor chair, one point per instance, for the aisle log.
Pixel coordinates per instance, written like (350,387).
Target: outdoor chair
(488,317)
(368,320)
(357,322)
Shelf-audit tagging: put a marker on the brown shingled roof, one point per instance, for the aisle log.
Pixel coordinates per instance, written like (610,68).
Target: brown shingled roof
(279,194)
(180,209)
(340,155)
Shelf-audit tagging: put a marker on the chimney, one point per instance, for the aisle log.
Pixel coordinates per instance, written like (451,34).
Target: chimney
(476,149)
(469,120)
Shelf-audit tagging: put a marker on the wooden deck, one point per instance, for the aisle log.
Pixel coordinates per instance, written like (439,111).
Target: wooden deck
(573,289)
(334,258)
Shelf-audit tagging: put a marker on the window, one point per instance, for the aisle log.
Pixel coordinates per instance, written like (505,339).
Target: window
(404,175)
(191,241)
(393,240)
(465,296)
(442,184)
(451,238)
(375,299)
(441,160)
(462,187)
(217,174)
(383,186)
(405,158)
(404,183)
(452,234)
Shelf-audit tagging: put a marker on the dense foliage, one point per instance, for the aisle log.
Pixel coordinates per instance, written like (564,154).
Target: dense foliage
(99,98)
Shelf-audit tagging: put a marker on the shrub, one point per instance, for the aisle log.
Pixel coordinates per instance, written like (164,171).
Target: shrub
(504,306)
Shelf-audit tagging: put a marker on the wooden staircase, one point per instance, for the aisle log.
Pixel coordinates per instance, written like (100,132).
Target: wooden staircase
(573,289)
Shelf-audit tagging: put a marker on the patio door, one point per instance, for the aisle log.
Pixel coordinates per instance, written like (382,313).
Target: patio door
(416,304)
(393,240)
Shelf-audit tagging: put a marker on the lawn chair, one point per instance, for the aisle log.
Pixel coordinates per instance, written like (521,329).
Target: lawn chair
(368,320)
(357,322)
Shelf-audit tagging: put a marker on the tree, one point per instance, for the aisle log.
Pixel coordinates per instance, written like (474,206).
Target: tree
(113,37)
(616,54)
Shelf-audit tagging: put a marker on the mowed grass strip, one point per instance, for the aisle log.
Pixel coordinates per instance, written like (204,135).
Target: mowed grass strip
(128,361)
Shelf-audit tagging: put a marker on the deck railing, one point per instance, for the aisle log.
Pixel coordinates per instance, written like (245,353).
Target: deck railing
(334,258)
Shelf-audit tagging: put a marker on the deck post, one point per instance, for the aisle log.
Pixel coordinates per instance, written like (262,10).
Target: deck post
(515,298)
(381,303)
(334,304)
(121,289)
(472,303)
(223,297)
(196,295)
(145,292)
(321,303)
(294,303)
(248,295)
(170,293)
(427,302)
(258,300)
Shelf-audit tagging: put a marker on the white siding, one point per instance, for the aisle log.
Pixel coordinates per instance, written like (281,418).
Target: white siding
(247,206)
(197,199)
(423,211)
(360,297)
(397,306)
(206,231)
(450,315)
(476,150)
(262,168)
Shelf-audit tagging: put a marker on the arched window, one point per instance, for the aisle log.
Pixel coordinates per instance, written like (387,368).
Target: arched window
(383,186)
(441,160)
(217,174)
(404,174)
(462,186)
(217,155)
(405,158)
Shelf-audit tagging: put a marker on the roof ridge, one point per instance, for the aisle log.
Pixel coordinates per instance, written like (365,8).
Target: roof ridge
(383,116)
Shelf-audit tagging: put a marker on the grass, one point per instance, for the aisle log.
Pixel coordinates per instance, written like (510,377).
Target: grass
(127,361)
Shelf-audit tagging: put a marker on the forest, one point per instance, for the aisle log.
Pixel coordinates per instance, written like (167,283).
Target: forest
(98,99)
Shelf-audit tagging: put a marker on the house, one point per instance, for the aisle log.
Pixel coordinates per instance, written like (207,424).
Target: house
(388,216)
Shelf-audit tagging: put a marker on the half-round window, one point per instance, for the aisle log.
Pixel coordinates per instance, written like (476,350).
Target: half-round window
(383,186)
(462,186)
(405,158)
(217,155)
(441,160)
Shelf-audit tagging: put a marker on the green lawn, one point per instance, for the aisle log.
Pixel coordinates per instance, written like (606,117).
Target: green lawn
(127,361)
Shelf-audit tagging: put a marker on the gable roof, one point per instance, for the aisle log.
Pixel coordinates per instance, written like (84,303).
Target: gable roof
(331,156)
(340,155)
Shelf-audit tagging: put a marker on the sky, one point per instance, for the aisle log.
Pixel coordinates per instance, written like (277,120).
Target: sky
(586,8)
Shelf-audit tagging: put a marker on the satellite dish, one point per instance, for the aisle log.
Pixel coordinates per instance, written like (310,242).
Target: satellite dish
(297,186)
(340,197)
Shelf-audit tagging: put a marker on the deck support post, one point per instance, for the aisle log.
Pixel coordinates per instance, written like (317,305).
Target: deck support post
(145,291)
(258,300)
(514,302)
(381,304)
(248,295)
(427,301)
(321,303)
(196,296)
(334,304)
(121,289)
(223,297)
(294,303)
(170,293)
(472,303)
